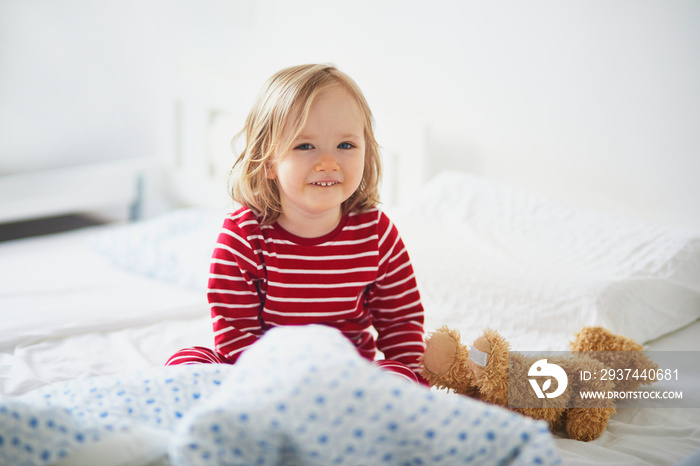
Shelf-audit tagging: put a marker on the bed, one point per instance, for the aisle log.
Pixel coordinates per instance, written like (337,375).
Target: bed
(89,317)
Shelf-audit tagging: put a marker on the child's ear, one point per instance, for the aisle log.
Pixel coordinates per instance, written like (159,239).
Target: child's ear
(270,172)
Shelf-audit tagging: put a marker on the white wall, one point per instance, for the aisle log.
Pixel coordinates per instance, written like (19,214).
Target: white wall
(593,102)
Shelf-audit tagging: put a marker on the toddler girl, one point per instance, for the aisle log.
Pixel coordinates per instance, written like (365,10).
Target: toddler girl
(310,246)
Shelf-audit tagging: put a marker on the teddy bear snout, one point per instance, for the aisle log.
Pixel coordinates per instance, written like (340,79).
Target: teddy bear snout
(440,353)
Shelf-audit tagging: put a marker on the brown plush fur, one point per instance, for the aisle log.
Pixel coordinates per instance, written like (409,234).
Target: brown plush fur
(446,364)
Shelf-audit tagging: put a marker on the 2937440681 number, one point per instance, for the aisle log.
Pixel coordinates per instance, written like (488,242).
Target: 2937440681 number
(636,374)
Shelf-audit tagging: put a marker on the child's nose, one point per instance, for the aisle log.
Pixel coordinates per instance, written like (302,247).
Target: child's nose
(326,162)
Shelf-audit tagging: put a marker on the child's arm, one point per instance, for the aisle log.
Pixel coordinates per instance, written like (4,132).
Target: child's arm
(395,301)
(234,292)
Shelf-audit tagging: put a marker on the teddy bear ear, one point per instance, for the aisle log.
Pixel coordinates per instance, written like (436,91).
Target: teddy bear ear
(602,339)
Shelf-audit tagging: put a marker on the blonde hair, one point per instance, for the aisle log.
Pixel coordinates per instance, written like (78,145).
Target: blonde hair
(283,105)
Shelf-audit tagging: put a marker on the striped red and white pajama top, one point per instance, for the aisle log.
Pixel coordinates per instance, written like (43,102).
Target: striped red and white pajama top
(357,277)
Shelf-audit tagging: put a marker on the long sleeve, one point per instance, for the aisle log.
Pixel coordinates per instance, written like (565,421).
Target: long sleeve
(235,293)
(395,301)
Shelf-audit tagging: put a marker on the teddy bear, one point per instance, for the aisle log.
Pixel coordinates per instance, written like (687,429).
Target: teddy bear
(545,388)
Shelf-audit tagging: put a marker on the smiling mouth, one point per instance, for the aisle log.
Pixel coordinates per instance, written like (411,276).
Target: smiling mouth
(325,183)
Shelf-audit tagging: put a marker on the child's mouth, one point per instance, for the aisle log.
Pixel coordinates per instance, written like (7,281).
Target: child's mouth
(325,183)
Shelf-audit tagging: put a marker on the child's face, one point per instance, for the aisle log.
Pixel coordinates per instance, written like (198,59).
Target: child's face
(325,163)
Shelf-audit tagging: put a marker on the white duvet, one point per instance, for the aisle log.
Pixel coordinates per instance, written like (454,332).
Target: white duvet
(300,396)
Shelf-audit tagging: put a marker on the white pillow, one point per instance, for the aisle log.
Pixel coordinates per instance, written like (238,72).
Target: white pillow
(489,255)
(175,247)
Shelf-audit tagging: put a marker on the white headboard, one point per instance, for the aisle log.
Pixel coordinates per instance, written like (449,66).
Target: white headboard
(82,188)
(209,111)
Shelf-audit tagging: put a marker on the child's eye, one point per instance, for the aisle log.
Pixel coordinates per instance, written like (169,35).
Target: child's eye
(346,145)
(305,146)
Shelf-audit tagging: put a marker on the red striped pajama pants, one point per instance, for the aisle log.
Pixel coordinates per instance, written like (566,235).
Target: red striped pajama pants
(202,355)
